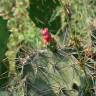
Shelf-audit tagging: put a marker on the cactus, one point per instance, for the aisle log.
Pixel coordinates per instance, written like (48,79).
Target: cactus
(47,48)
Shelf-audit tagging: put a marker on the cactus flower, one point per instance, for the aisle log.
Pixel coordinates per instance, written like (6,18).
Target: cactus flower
(47,36)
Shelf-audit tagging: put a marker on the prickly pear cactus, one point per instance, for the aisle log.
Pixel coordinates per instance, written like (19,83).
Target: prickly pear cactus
(47,47)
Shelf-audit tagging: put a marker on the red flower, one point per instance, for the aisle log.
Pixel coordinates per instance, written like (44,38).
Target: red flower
(45,31)
(47,36)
